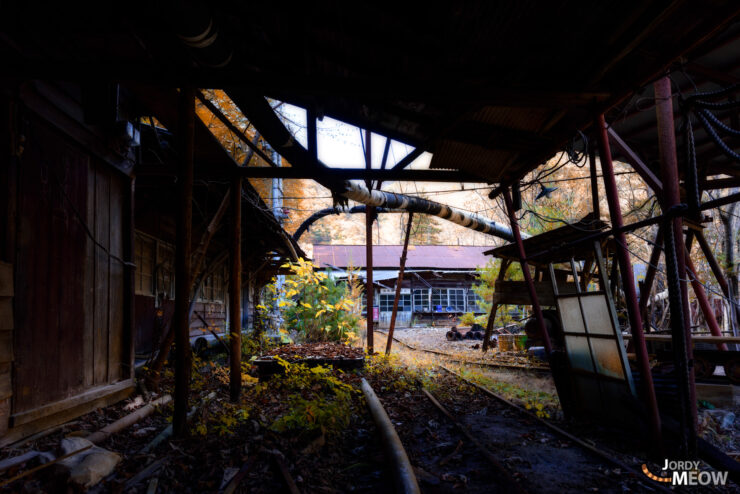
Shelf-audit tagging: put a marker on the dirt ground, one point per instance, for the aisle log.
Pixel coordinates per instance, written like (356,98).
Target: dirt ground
(242,439)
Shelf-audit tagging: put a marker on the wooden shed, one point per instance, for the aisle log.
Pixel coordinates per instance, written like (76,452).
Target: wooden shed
(65,282)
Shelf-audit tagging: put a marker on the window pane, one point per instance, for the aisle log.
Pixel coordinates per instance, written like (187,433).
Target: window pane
(421,300)
(474,302)
(457,299)
(439,299)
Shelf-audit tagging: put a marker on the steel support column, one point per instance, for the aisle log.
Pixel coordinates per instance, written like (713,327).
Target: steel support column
(181,318)
(628,280)
(525,269)
(675,265)
(401,268)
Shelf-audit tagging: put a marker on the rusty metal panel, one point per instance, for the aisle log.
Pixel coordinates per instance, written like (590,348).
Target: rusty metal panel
(607,357)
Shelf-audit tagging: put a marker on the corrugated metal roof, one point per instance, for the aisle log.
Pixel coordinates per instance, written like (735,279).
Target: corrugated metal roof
(388,256)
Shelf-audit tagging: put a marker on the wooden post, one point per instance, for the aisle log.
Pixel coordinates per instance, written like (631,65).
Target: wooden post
(628,280)
(647,284)
(676,267)
(235,295)
(494,308)
(181,320)
(392,325)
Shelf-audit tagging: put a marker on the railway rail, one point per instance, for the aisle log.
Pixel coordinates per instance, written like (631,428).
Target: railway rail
(482,363)
(551,429)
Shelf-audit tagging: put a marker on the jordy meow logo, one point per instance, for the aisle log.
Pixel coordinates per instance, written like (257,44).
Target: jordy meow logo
(686,473)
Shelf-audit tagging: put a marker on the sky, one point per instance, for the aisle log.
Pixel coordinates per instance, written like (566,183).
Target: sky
(340,144)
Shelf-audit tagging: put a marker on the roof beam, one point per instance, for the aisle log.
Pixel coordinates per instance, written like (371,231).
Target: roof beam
(634,160)
(496,137)
(393,175)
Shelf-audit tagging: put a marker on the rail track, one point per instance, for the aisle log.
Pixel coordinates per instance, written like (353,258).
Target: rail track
(481,363)
(478,434)
(516,451)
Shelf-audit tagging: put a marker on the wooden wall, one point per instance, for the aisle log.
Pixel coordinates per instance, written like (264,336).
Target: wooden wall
(71,335)
(6,342)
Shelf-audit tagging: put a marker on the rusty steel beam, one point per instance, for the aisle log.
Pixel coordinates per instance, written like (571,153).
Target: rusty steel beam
(676,266)
(181,318)
(701,296)
(628,281)
(525,269)
(717,271)
(401,268)
(634,160)
(593,175)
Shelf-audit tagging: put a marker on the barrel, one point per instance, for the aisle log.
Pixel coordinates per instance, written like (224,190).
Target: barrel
(506,342)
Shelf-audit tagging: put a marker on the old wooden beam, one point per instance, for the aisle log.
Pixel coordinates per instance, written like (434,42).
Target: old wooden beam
(401,268)
(494,307)
(181,320)
(647,284)
(233,128)
(527,274)
(235,285)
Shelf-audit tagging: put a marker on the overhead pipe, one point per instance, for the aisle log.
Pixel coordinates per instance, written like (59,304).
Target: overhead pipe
(321,213)
(256,108)
(391,200)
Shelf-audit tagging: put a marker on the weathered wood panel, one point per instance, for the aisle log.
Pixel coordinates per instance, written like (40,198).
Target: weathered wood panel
(6,313)
(6,347)
(6,386)
(88,340)
(102,276)
(6,279)
(70,197)
(116,283)
(36,356)
(69,296)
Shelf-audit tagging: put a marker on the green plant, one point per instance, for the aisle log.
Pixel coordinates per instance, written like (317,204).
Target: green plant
(314,304)
(317,400)
(485,286)
(467,319)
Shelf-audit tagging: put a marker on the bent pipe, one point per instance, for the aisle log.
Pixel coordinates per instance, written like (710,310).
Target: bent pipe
(321,213)
(391,200)
(259,112)
(402,470)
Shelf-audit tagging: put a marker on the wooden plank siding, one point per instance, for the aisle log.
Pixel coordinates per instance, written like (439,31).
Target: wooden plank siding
(70,293)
